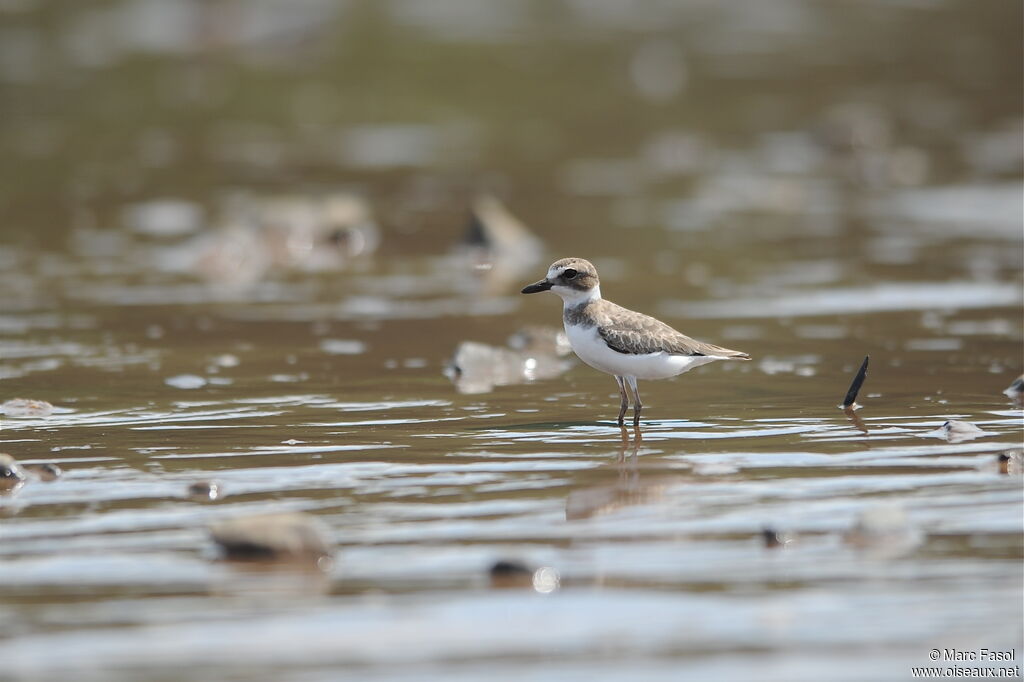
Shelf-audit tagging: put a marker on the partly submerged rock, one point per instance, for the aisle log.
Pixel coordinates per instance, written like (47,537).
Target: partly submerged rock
(26,408)
(478,367)
(536,354)
(293,536)
(956,431)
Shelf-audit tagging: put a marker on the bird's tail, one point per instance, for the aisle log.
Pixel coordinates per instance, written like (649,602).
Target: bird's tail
(727,354)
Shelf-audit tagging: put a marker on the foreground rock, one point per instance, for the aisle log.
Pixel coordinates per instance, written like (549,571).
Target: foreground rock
(273,537)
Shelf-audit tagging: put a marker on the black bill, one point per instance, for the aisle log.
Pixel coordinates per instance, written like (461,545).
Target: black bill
(537,287)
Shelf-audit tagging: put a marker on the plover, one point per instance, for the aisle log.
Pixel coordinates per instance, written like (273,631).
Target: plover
(626,344)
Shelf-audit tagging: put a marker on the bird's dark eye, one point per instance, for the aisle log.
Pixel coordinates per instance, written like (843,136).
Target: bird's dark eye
(569,273)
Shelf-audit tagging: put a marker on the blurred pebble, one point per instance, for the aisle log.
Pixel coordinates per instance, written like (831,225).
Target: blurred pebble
(25,408)
(658,70)
(342,346)
(226,360)
(957,431)
(538,339)
(204,491)
(12,475)
(715,469)
(294,536)
(163,217)
(44,471)
(885,529)
(185,381)
(546,580)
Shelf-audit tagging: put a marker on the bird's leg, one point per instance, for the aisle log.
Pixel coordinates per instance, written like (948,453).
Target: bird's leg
(624,404)
(637,403)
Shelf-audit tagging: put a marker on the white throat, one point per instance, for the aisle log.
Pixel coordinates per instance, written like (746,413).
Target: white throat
(574,297)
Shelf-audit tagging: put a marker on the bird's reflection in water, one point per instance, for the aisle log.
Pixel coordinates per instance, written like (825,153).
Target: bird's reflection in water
(855,419)
(630,445)
(627,490)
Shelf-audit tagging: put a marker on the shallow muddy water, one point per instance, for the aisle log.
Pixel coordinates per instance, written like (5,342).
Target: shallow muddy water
(758,179)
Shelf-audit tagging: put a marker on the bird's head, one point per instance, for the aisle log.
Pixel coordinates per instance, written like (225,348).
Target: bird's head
(573,279)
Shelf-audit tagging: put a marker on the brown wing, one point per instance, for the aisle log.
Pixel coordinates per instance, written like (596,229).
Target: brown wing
(638,334)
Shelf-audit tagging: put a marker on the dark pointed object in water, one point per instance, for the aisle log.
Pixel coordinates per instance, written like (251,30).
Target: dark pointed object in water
(858,381)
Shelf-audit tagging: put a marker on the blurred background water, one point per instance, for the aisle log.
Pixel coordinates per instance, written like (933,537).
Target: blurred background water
(248,242)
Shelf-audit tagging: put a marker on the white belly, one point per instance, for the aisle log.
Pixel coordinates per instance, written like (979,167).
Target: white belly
(591,349)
